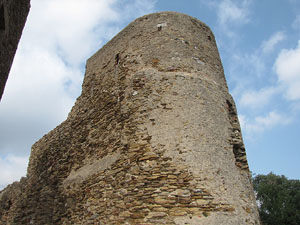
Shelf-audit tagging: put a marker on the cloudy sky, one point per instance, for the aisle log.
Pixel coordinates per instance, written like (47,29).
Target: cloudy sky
(258,40)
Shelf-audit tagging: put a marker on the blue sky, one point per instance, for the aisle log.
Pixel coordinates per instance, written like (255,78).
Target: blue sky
(258,40)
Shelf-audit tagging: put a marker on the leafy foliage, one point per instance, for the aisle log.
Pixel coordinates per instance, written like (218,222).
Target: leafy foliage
(278,199)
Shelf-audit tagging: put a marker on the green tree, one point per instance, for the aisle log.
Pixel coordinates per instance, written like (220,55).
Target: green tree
(278,199)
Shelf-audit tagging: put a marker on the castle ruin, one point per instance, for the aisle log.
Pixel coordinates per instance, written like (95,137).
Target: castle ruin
(154,138)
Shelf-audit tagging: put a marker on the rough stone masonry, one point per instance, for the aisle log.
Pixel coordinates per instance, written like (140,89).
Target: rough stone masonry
(154,138)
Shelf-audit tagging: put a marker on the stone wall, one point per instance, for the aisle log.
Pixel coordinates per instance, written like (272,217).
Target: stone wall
(13,14)
(153,139)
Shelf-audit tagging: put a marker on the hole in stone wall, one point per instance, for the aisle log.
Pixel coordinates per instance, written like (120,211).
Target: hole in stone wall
(2,18)
(117,59)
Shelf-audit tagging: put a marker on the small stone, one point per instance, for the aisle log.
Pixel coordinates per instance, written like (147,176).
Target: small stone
(198,61)
(161,25)
(163,201)
(157,214)
(172,187)
(201,202)
(149,156)
(178,213)
(172,177)
(137,215)
(164,188)
(160,209)
(198,190)
(121,204)
(185,200)
(180,193)
(248,210)
(157,191)
(153,177)
(96,215)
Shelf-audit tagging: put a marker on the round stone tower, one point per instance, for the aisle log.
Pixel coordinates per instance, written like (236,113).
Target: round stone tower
(154,138)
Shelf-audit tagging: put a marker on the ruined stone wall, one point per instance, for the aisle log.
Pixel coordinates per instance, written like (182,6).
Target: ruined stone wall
(153,139)
(13,14)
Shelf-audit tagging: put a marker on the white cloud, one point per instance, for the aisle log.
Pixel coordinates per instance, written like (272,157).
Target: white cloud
(68,26)
(47,72)
(270,120)
(251,64)
(296,23)
(243,121)
(12,168)
(137,7)
(269,45)
(258,99)
(293,1)
(259,124)
(255,62)
(287,67)
(255,66)
(231,12)
(38,96)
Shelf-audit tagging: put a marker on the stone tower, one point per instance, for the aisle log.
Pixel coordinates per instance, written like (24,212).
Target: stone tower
(154,138)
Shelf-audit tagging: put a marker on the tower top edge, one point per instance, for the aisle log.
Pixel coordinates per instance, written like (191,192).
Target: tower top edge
(171,13)
(164,17)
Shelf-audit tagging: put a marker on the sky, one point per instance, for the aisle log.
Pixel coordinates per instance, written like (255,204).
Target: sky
(258,41)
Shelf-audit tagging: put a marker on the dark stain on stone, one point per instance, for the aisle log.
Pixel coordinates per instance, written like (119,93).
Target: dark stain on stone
(2,18)
(117,59)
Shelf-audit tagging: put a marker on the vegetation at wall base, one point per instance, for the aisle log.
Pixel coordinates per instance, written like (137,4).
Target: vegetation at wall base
(278,199)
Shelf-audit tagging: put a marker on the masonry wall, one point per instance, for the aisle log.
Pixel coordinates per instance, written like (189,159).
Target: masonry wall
(13,14)
(153,139)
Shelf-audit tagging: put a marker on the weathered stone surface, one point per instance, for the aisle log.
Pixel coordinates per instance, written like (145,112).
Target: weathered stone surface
(153,139)
(13,14)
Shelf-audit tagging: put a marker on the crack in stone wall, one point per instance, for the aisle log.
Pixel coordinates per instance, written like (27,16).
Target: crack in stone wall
(236,140)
